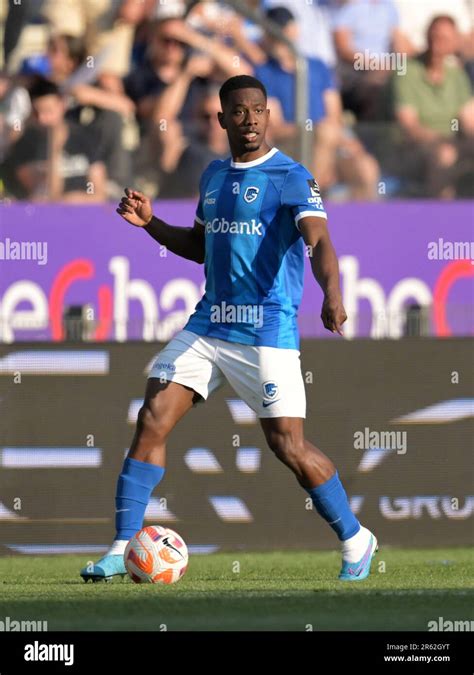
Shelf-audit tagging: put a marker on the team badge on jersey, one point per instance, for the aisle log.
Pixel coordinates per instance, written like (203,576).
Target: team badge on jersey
(251,194)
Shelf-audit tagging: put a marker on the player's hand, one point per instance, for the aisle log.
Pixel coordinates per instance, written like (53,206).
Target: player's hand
(135,208)
(333,313)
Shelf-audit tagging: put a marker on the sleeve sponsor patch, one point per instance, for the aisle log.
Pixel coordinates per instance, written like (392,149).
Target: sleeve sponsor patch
(314,188)
(315,194)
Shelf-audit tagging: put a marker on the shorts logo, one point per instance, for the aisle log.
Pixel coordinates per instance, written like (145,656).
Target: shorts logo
(251,194)
(270,390)
(165,366)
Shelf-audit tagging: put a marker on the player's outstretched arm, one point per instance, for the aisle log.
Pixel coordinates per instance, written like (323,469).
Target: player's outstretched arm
(187,242)
(325,268)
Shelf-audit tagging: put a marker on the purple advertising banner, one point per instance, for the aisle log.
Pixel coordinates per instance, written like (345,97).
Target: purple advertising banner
(391,255)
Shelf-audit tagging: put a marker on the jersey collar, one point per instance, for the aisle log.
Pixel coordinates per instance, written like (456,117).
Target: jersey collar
(255,162)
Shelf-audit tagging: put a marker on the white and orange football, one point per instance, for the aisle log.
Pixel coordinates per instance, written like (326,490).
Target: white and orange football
(156,555)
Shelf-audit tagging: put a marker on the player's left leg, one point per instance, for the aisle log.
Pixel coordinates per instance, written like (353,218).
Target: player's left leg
(315,472)
(269,380)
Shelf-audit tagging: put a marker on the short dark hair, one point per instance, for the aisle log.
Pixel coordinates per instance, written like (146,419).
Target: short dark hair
(240,82)
(280,15)
(43,87)
(438,19)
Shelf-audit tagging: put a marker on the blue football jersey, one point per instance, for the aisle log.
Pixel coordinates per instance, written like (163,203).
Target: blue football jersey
(255,254)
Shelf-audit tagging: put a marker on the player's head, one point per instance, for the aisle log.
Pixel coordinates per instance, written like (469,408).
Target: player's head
(244,113)
(47,102)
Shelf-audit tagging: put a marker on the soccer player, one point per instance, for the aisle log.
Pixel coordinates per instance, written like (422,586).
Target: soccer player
(259,212)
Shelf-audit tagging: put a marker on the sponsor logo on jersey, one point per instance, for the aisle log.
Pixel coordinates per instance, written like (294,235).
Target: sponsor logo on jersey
(251,194)
(223,226)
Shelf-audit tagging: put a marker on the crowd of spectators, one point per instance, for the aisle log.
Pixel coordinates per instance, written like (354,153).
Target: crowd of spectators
(98,94)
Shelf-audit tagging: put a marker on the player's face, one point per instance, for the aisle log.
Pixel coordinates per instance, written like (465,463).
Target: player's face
(245,118)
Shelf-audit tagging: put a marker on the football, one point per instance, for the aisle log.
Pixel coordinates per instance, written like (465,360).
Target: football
(156,555)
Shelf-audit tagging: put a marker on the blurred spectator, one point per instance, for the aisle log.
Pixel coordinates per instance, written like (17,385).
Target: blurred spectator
(182,163)
(15,108)
(19,14)
(314,21)
(68,68)
(171,9)
(364,29)
(107,28)
(180,61)
(415,18)
(55,159)
(338,155)
(435,110)
(220,20)
(101,112)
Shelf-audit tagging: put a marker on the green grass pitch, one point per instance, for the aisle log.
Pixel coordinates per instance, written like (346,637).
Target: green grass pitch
(272,591)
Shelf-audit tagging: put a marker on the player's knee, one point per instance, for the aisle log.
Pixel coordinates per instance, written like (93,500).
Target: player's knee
(286,447)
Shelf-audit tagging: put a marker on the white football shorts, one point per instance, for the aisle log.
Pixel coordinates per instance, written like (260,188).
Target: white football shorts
(268,379)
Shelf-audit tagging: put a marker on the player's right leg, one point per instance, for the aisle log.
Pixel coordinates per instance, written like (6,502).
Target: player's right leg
(164,405)
(183,373)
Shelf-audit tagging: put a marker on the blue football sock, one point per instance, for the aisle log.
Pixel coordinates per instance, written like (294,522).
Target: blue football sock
(330,501)
(134,487)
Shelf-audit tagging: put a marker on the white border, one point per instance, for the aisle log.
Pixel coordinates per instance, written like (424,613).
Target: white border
(254,162)
(303,214)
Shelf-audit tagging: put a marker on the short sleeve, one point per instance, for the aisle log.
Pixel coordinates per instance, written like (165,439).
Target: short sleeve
(301,194)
